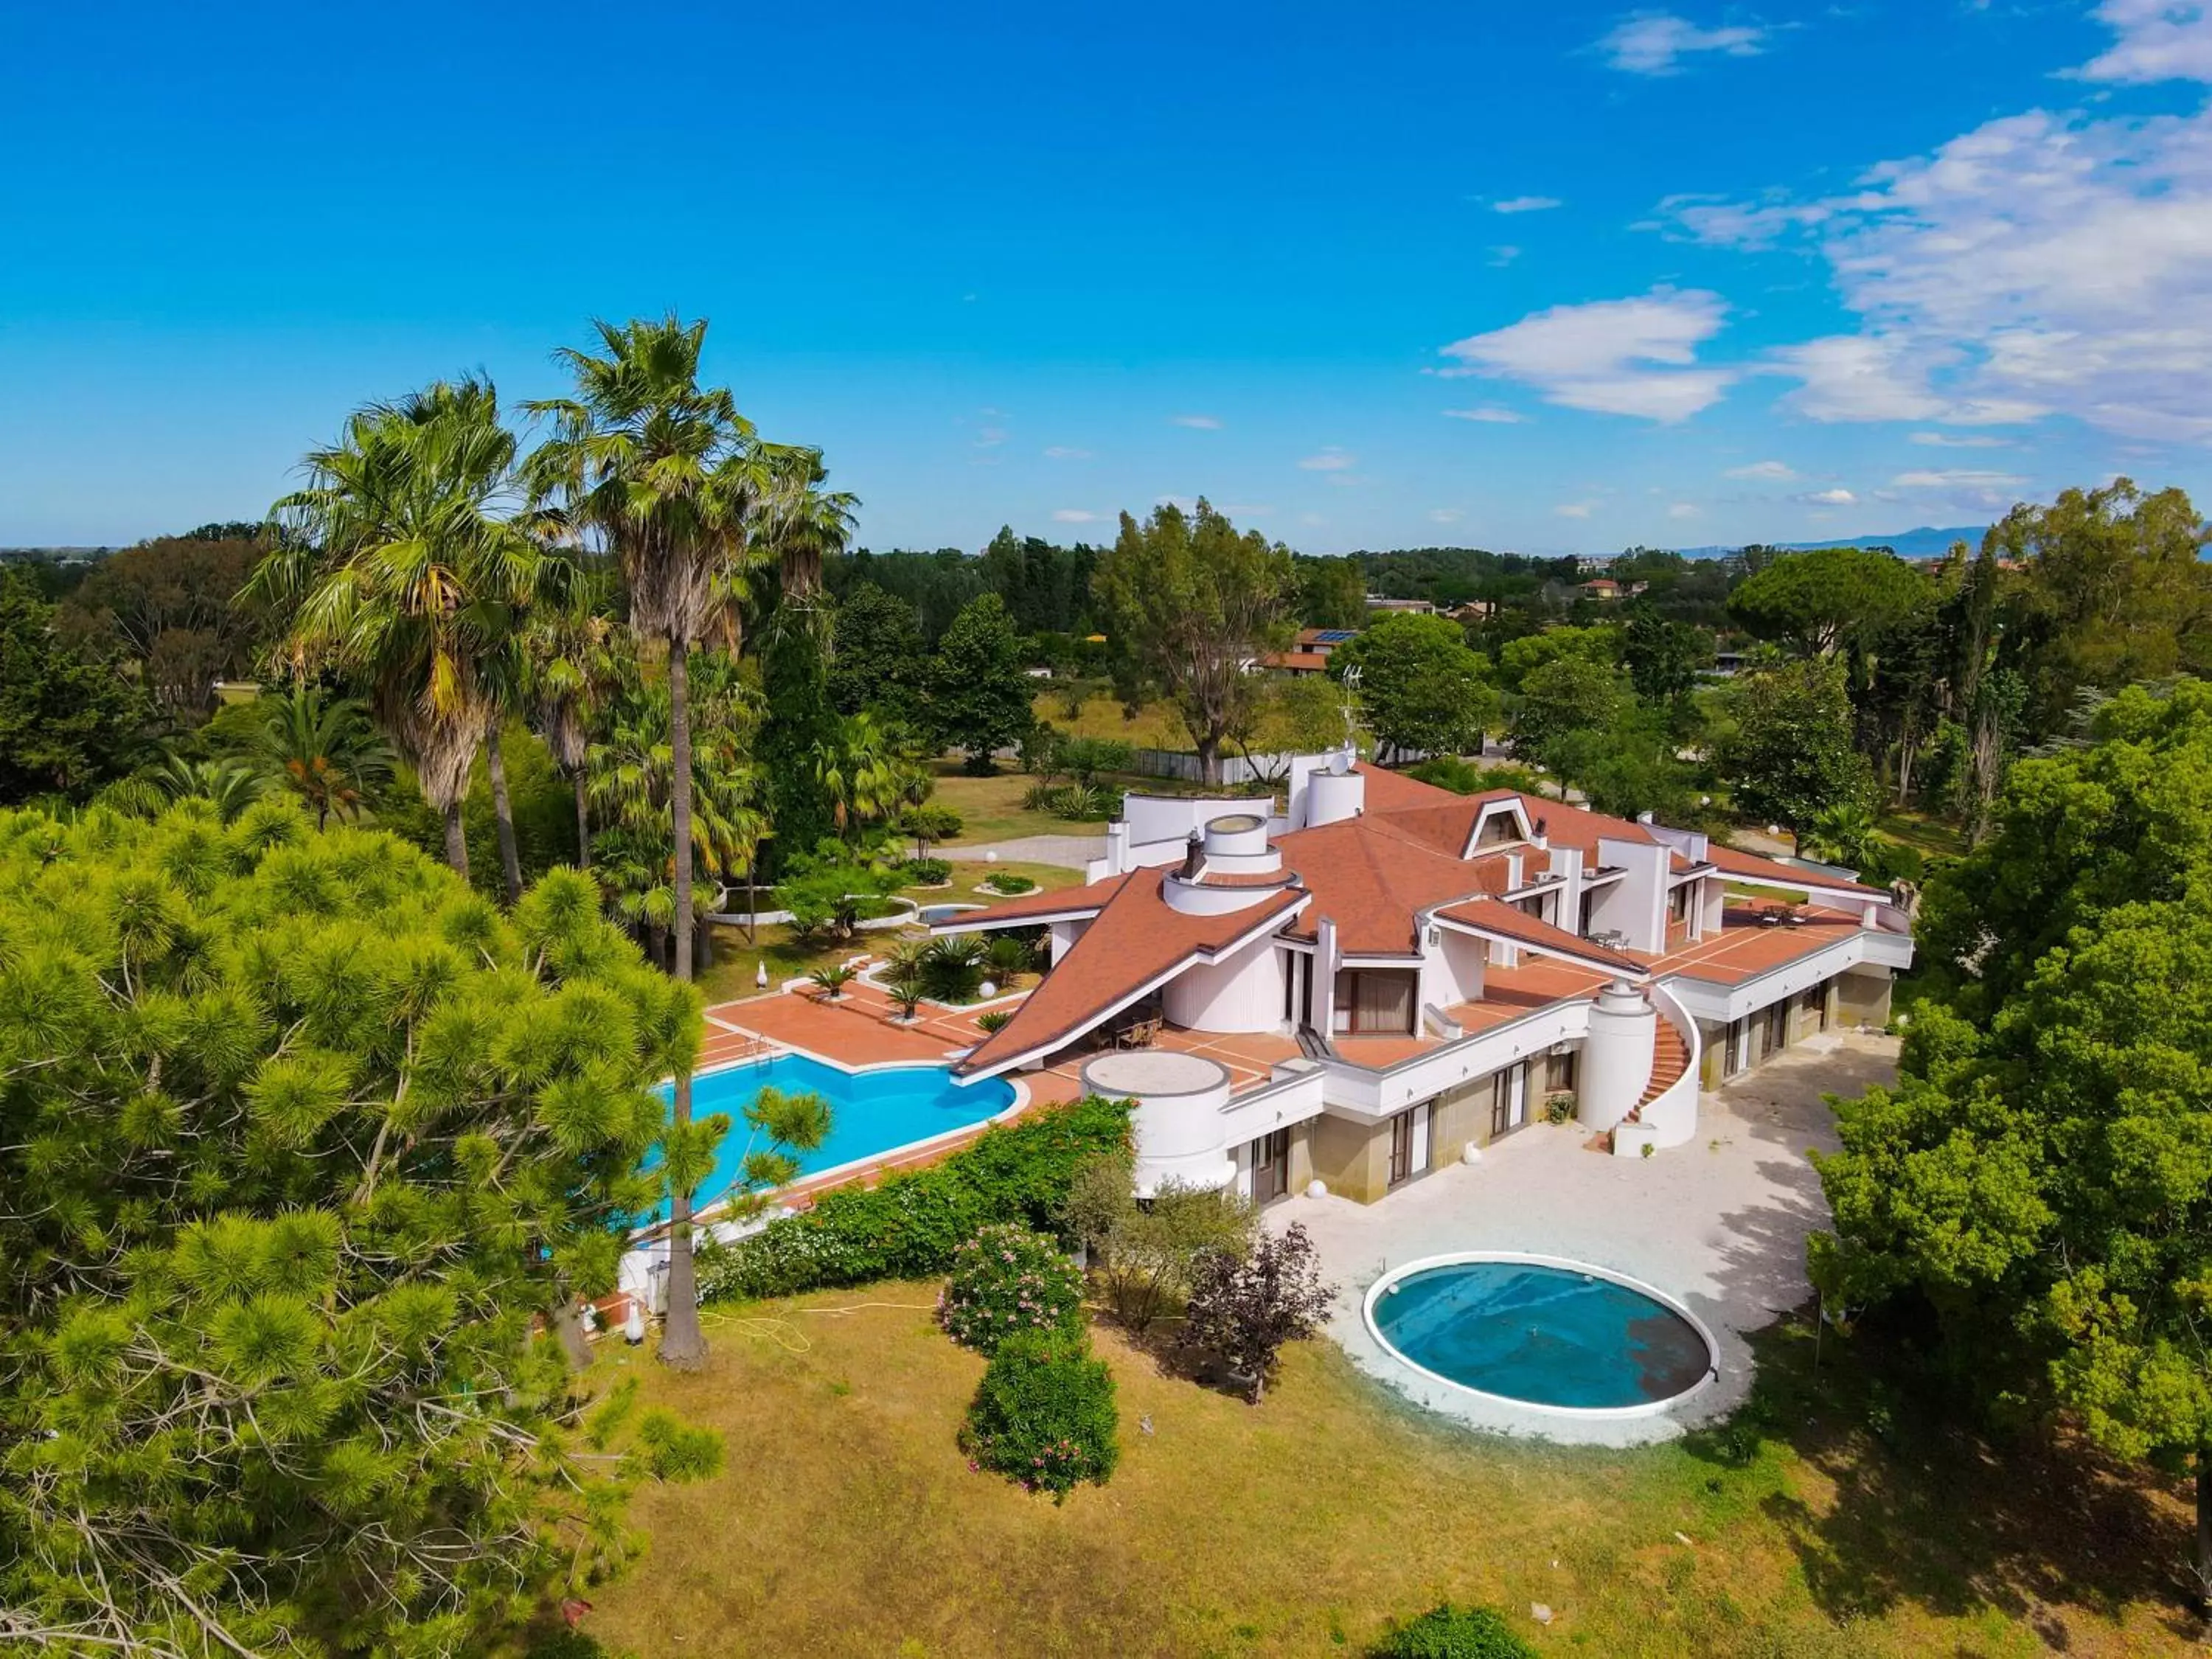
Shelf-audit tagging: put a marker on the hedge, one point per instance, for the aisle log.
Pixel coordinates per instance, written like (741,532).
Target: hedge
(1044,1414)
(1453,1633)
(909,1226)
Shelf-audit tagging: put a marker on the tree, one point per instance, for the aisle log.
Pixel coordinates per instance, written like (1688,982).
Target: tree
(1791,757)
(1420,687)
(865,775)
(2112,589)
(1246,1306)
(665,473)
(326,751)
(172,605)
(801,527)
(1815,602)
(1563,698)
(878,655)
(304,1137)
(1518,658)
(1195,603)
(978,696)
(2037,1187)
(1330,592)
(400,564)
(1663,657)
(567,670)
(67,722)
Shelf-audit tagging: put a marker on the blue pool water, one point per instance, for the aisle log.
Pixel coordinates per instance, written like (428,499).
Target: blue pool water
(1552,1336)
(870,1112)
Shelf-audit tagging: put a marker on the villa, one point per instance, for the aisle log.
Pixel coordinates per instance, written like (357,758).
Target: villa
(1386,976)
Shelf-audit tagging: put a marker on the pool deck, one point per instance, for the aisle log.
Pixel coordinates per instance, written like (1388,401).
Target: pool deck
(1717,1226)
(855,1031)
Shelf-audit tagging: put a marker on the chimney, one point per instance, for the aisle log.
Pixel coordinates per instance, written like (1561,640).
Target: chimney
(1194,857)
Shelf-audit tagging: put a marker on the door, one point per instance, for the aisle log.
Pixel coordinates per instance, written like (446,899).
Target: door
(1409,1144)
(1271,1166)
(1507,1104)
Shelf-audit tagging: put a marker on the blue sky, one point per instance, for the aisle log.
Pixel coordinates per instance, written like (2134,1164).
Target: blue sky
(1557,278)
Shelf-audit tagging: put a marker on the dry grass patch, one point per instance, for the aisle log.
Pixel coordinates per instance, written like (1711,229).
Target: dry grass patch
(848,1522)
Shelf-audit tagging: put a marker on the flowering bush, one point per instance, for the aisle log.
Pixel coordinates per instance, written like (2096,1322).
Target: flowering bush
(1044,1414)
(1005,1280)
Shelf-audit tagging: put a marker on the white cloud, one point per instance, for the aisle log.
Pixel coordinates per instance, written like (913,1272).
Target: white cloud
(1575,509)
(1525,204)
(1488,414)
(1614,357)
(1198,423)
(1683,510)
(1445,515)
(2042,263)
(1654,42)
(989,437)
(1067,453)
(1960,440)
(1073,515)
(1330,459)
(2160,41)
(1839,497)
(1503,255)
(1764,472)
(1960,479)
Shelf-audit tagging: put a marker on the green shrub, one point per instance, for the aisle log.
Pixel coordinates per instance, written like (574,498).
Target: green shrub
(1451,1632)
(565,1643)
(926,872)
(1010,884)
(931,824)
(1007,1280)
(995,1021)
(1044,1414)
(953,967)
(909,1226)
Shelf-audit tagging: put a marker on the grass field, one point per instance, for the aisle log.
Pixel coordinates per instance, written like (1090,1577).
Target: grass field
(846,1521)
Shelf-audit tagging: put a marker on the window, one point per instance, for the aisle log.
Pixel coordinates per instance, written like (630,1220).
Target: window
(1559,1074)
(1507,1109)
(1373,1001)
(1682,902)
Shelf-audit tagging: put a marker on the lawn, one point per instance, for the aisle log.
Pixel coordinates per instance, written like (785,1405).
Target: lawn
(991,807)
(846,1521)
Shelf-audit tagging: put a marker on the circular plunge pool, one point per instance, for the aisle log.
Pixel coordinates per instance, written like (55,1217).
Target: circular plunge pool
(1555,1335)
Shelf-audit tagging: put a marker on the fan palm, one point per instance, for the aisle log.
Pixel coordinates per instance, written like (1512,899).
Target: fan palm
(567,671)
(230,786)
(326,751)
(400,563)
(662,473)
(862,772)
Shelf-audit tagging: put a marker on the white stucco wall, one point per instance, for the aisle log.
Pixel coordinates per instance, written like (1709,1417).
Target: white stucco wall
(1242,993)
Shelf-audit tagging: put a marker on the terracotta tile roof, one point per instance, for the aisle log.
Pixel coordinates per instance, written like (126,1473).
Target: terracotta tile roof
(1393,792)
(1310,662)
(1371,881)
(1058,902)
(1744,950)
(1519,926)
(1730,862)
(1136,940)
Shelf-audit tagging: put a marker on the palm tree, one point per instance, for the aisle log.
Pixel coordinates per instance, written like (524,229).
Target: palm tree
(230,786)
(863,773)
(567,673)
(326,751)
(662,473)
(802,523)
(399,562)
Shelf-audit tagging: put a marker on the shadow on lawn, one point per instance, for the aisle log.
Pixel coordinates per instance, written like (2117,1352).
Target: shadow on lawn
(1927,1510)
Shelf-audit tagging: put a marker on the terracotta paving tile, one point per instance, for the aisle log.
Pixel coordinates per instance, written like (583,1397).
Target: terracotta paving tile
(1744,948)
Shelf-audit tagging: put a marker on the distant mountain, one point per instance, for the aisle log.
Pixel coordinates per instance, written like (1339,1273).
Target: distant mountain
(1925,542)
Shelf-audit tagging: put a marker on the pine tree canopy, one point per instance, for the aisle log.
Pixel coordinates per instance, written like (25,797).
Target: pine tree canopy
(298,1139)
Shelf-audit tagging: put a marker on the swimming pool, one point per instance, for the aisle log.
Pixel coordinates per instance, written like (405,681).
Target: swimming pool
(1555,1335)
(871,1112)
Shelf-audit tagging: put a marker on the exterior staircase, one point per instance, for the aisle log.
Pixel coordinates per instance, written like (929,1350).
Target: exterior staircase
(1670,1058)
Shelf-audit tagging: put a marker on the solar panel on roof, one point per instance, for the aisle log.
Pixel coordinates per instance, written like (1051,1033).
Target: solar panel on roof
(1335,635)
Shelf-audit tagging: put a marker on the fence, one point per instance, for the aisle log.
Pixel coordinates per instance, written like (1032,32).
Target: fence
(1184,767)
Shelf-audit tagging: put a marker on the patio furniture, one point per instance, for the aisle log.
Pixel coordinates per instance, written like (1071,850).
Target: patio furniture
(1139,1034)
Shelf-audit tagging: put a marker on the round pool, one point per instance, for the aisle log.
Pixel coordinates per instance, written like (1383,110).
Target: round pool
(1556,1335)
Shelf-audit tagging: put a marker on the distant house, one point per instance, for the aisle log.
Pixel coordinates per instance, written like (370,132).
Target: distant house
(1475,610)
(1604,589)
(1310,655)
(1589,565)
(1375,602)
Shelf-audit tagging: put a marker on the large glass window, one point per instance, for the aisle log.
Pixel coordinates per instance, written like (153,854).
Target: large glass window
(1375,1001)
